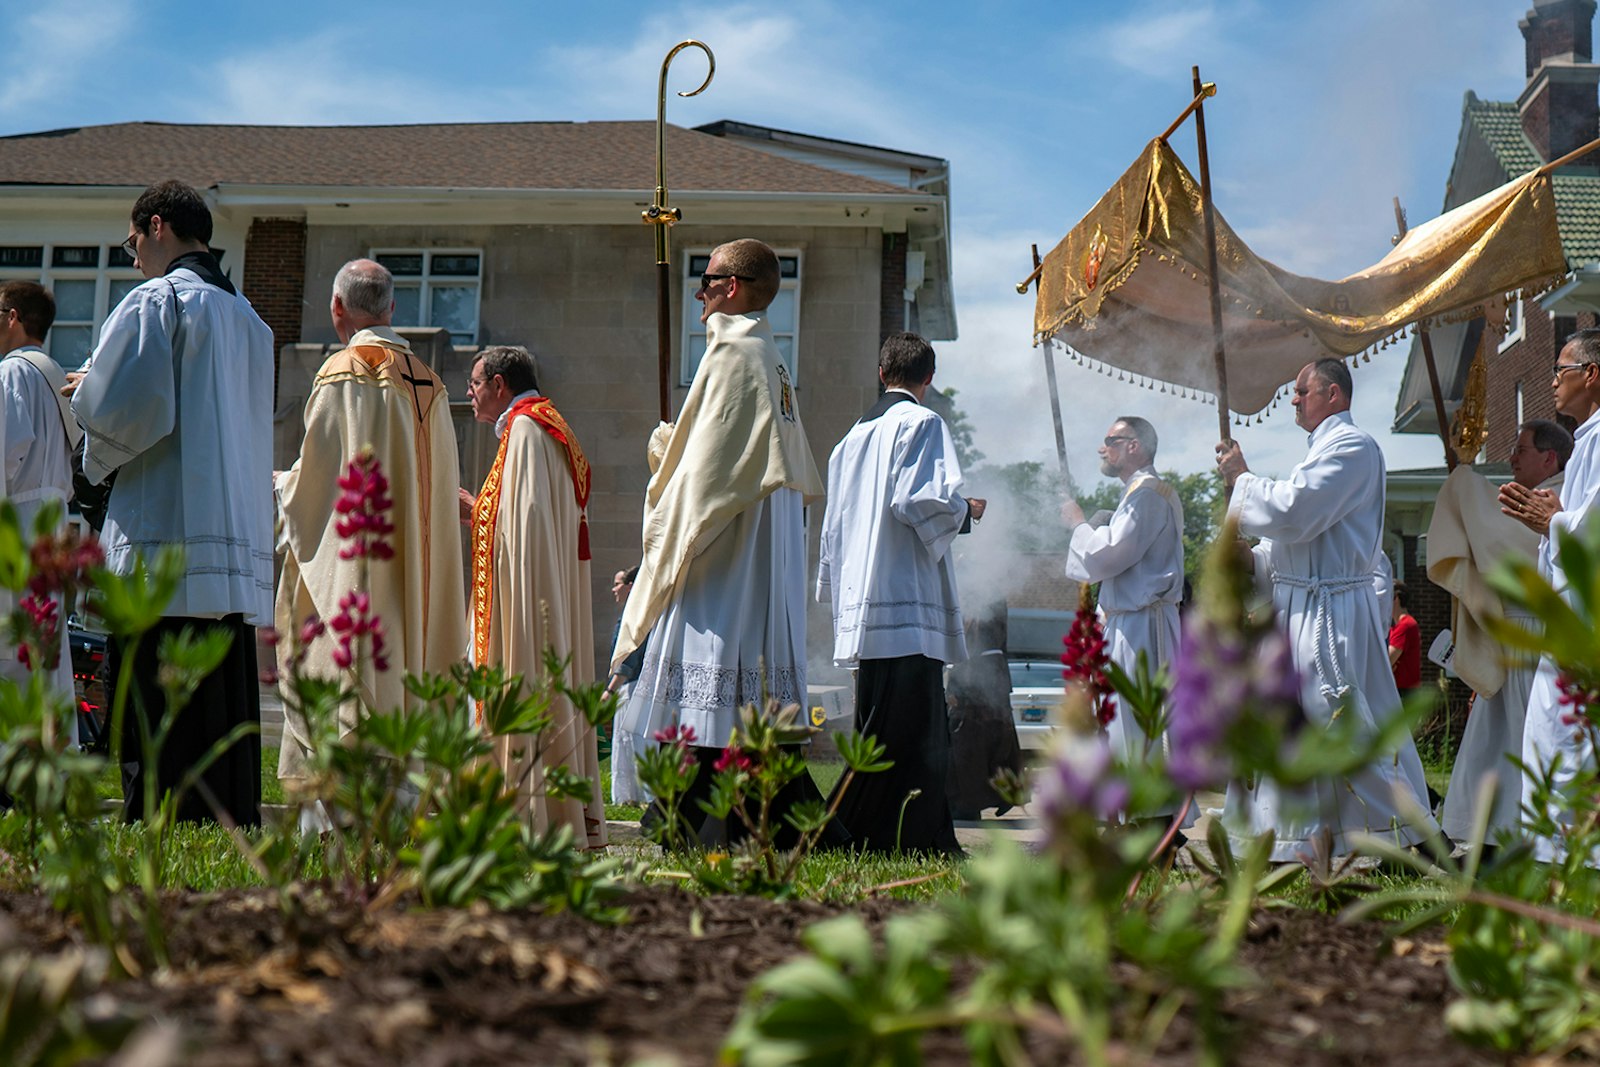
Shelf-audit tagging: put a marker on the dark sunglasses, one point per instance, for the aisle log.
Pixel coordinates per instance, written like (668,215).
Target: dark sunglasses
(707,278)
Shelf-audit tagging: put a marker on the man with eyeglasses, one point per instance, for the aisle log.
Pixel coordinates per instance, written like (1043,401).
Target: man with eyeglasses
(721,591)
(37,439)
(1575,383)
(1322,531)
(1138,559)
(1468,536)
(371,393)
(177,400)
(530,589)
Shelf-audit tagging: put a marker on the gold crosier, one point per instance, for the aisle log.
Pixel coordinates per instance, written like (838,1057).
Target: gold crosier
(659,215)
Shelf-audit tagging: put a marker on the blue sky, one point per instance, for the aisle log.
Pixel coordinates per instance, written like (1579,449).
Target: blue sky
(1327,109)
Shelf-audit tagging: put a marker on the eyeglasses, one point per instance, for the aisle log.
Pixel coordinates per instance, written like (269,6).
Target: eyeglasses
(131,245)
(1559,367)
(708,278)
(1111,442)
(477,383)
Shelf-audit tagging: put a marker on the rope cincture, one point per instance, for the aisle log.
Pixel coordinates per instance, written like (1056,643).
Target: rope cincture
(1331,680)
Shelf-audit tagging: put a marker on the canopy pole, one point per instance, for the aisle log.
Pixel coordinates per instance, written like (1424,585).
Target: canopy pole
(1576,153)
(1203,91)
(1428,360)
(659,215)
(1218,353)
(1055,398)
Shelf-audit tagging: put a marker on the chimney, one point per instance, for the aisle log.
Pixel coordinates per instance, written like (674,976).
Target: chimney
(1559,106)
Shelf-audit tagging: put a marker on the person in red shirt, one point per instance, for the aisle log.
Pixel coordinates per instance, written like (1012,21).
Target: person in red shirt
(1405,644)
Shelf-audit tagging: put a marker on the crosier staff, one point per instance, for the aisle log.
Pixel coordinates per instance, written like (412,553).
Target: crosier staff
(661,216)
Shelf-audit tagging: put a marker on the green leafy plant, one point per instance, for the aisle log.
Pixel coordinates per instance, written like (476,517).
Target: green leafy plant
(761,760)
(1525,943)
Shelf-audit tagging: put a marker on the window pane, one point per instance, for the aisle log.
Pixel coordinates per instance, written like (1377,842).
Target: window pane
(698,265)
(455,266)
(116,256)
(455,307)
(693,354)
(786,349)
(69,345)
(119,288)
(788,267)
(21,256)
(407,305)
(408,264)
(74,301)
(781,313)
(76,256)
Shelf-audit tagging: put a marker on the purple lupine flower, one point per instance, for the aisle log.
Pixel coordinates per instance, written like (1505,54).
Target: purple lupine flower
(1080,778)
(1222,678)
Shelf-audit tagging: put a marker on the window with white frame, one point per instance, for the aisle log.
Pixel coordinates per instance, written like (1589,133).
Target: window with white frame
(783,315)
(436,287)
(87,282)
(1514,325)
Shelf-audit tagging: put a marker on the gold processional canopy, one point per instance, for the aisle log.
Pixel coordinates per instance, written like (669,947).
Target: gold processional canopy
(1128,286)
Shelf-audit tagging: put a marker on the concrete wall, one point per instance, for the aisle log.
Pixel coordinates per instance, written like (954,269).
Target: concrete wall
(583,298)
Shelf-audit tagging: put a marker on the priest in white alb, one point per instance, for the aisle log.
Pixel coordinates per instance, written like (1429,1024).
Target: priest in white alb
(894,508)
(37,435)
(373,393)
(1137,557)
(530,584)
(1468,536)
(1322,528)
(721,590)
(1545,736)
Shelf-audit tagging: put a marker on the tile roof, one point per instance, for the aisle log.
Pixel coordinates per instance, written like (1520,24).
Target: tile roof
(1577,195)
(512,155)
(1500,125)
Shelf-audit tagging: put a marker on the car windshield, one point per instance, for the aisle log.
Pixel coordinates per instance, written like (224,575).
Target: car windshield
(1035,674)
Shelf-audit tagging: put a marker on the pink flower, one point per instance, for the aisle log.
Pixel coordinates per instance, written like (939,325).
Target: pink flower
(363,507)
(41,627)
(62,561)
(674,735)
(1086,660)
(354,622)
(735,757)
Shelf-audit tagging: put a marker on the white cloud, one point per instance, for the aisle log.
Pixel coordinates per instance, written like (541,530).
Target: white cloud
(63,45)
(814,67)
(312,80)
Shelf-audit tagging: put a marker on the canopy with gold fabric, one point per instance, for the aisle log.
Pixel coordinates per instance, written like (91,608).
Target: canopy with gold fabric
(1128,286)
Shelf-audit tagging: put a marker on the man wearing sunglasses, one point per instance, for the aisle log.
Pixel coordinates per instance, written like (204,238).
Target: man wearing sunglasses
(1138,559)
(177,400)
(723,572)
(1575,383)
(1322,530)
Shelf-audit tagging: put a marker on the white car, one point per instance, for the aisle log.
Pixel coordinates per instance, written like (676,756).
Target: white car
(1037,688)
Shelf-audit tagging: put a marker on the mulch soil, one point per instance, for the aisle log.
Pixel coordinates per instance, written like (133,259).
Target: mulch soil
(442,988)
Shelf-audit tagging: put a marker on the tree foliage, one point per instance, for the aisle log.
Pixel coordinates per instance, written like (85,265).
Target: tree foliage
(1032,493)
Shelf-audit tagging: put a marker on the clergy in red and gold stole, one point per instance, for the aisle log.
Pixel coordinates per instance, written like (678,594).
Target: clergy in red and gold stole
(530,580)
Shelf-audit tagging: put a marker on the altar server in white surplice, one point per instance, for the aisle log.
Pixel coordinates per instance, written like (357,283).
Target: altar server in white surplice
(1468,536)
(37,435)
(1138,559)
(894,508)
(721,587)
(1323,525)
(1577,395)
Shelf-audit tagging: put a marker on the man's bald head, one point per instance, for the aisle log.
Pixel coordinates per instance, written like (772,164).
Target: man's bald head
(363,295)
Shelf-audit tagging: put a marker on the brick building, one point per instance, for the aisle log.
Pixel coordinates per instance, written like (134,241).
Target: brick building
(512,233)
(1557,112)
